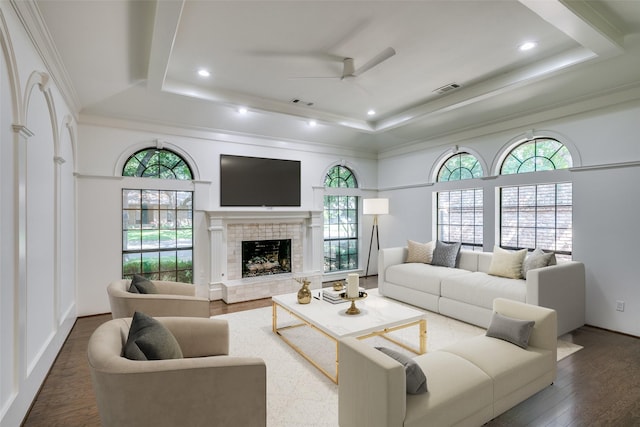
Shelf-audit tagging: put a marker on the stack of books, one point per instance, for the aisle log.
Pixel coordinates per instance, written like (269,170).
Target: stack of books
(333,296)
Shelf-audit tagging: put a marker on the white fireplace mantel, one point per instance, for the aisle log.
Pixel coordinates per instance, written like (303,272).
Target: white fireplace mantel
(305,228)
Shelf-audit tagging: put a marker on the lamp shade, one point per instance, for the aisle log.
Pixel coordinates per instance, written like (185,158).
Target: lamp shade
(375,206)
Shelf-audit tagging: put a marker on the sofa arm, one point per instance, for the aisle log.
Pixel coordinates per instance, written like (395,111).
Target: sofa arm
(562,288)
(386,258)
(544,333)
(371,387)
(158,305)
(199,337)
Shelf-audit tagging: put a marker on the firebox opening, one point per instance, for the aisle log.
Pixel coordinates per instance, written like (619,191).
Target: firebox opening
(265,257)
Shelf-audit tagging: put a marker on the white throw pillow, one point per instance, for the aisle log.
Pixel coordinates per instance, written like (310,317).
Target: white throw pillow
(419,252)
(506,263)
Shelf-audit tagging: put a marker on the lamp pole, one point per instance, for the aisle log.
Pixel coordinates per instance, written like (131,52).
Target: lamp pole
(374,227)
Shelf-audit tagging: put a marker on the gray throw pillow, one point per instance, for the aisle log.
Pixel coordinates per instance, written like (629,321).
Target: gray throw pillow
(416,379)
(506,328)
(446,254)
(150,340)
(537,259)
(142,285)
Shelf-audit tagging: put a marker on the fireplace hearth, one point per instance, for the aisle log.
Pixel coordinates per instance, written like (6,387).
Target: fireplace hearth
(266,257)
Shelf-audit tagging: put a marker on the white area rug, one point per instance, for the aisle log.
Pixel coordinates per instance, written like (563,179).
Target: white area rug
(298,394)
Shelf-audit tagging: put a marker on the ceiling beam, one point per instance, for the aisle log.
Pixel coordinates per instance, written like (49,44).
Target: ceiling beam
(580,21)
(165,29)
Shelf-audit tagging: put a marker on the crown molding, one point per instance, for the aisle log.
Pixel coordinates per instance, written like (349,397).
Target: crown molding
(33,23)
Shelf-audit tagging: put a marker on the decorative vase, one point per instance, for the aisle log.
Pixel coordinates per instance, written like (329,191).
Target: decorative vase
(304,294)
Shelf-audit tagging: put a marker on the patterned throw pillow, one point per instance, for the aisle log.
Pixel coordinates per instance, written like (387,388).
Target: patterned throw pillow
(446,254)
(506,263)
(419,252)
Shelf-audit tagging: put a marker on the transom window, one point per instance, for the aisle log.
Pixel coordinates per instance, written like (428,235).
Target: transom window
(460,166)
(537,215)
(157,225)
(540,154)
(340,176)
(459,216)
(340,222)
(156,163)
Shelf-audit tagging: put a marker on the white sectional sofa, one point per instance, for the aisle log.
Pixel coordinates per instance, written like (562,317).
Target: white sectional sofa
(469,383)
(467,291)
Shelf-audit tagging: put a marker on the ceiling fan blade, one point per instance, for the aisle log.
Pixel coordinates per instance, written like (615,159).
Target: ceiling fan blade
(381,57)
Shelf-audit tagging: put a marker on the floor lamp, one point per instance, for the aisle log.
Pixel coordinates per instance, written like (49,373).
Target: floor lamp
(374,207)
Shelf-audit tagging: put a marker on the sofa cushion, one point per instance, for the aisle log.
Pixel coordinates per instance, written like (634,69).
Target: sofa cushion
(457,390)
(510,366)
(537,259)
(506,328)
(419,252)
(142,285)
(421,277)
(149,339)
(507,263)
(446,254)
(481,289)
(416,381)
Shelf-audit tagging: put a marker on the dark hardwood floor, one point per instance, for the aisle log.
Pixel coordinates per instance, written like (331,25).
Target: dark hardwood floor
(597,386)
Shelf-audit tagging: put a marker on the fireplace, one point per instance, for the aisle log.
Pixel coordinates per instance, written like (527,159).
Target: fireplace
(266,257)
(229,230)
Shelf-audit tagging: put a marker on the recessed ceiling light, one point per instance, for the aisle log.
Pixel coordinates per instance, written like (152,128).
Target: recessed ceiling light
(527,46)
(243,110)
(371,112)
(204,73)
(312,123)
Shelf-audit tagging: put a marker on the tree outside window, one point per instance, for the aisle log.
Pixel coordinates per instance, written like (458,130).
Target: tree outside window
(157,225)
(340,222)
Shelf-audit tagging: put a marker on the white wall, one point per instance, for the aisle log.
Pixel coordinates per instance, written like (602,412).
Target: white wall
(37,229)
(606,199)
(102,150)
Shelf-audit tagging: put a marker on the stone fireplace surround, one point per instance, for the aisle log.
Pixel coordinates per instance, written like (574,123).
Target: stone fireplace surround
(227,230)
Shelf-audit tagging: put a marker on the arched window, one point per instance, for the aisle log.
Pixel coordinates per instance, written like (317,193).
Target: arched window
(460,211)
(340,222)
(538,215)
(460,166)
(340,176)
(157,225)
(155,163)
(536,155)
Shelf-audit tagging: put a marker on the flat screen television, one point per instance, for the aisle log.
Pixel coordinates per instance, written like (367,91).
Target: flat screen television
(256,181)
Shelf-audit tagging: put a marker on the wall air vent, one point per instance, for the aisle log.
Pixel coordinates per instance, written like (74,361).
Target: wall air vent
(298,101)
(447,88)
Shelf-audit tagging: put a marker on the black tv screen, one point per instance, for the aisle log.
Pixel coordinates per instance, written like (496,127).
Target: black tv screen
(256,181)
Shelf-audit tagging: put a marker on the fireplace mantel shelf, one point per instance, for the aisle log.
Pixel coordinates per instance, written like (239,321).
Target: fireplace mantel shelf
(262,214)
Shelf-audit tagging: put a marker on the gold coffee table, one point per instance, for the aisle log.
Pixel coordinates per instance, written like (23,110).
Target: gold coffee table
(378,317)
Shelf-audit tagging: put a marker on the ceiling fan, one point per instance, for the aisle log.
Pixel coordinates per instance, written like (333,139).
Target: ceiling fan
(349,71)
